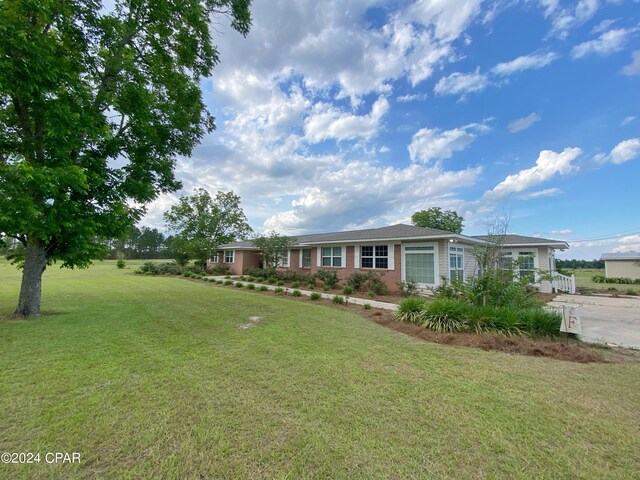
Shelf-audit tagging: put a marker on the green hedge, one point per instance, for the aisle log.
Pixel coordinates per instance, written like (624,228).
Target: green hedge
(615,280)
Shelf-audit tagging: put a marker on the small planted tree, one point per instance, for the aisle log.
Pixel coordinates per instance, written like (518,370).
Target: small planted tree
(274,248)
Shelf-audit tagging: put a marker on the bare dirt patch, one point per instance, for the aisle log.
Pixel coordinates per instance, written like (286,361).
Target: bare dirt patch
(251,322)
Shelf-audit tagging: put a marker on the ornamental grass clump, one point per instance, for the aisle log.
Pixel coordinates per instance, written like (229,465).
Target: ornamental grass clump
(409,309)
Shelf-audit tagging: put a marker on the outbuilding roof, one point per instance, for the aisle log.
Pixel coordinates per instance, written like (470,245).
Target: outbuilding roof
(621,256)
(512,240)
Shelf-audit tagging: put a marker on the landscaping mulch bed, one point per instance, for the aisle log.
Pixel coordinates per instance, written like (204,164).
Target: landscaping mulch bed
(560,349)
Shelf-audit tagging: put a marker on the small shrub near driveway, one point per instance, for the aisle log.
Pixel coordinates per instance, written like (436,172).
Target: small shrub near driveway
(251,286)
(315,296)
(278,290)
(337,299)
(296,293)
(348,290)
(228,282)
(409,308)
(239,284)
(263,288)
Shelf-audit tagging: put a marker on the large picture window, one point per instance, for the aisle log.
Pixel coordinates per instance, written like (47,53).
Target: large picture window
(332,256)
(374,256)
(456,263)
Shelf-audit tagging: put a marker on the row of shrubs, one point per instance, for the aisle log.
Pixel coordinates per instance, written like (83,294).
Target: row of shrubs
(616,280)
(356,282)
(172,268)
(456,315)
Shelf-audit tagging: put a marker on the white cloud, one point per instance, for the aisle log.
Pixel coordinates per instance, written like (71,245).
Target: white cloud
(361,194)
(384,149)
(565,231)
(523,123)
(450,18)
(327,122)
(566,19)
(625,151)
(524,62)
(609,42)
(460,83)
(634,67)
(627,120)
(415,97)
(548,164)
(548,192)
(603,26)
(430,144)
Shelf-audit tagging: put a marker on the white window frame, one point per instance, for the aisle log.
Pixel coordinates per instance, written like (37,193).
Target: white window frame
(301,259)
(374,256)
(457,252)
(515,255)
(215,258)
(436,263)
(283,259)
(226,256)
(333,256)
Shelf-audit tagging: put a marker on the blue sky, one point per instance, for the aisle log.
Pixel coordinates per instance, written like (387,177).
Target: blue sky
(355,114)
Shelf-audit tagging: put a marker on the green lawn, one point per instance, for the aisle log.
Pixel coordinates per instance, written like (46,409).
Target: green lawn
(150,377)
(584,275)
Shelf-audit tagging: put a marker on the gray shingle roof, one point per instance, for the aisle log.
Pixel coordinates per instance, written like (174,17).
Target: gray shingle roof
(621,256)
(511,239)
(391,232)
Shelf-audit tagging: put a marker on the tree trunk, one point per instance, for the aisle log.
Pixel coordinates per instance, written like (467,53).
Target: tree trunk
(35,262)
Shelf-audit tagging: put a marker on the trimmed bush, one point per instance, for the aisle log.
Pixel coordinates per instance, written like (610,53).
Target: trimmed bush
(272,280)
(295,284)
(251,286)
(348,290)
(311,286)
(615,280)
(228,282)
(239,284)
(328,277)
(338,299)
(367,306)
(263,288)
(121,264)
(278,290)
(280,283)
(296,293)
(326,288)
(315,296)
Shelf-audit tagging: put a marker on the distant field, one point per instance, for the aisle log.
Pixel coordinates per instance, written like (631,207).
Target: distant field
(583,279)
(158,377)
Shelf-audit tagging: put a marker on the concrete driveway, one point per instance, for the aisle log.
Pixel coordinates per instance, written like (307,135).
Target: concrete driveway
(607,320)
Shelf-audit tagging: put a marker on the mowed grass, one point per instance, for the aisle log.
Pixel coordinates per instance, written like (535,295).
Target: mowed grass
(584,276)
(154,377)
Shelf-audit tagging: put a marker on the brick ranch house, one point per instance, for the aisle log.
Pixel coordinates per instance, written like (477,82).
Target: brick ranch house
(398,252)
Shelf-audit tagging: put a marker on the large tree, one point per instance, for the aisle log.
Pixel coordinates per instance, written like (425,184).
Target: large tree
(95,105)
(435,217)
(203,223)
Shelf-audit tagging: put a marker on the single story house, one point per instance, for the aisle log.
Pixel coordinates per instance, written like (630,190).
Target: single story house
(400,253)
(625,265)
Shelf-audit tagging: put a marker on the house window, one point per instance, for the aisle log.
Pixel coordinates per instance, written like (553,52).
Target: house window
(282,260)
(456,263)
(228,256)
(331,256)
(374,256)
(420,264)
(506,262)
(306,258)
(526,266)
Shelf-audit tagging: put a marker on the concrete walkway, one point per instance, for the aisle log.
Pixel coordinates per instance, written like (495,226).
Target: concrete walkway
(288,290)
(606,320)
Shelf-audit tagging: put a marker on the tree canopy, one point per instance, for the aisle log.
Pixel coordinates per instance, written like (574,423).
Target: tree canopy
(203,223)
(435,217)
(95,106)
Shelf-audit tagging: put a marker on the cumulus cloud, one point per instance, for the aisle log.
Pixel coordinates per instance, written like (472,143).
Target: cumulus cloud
(609,42)
(524,62)
(327,122)
(460,83)
(450,18)
(430,144)
(523,123)
(360,193)
(634,67)
(625,151)
(548,165)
